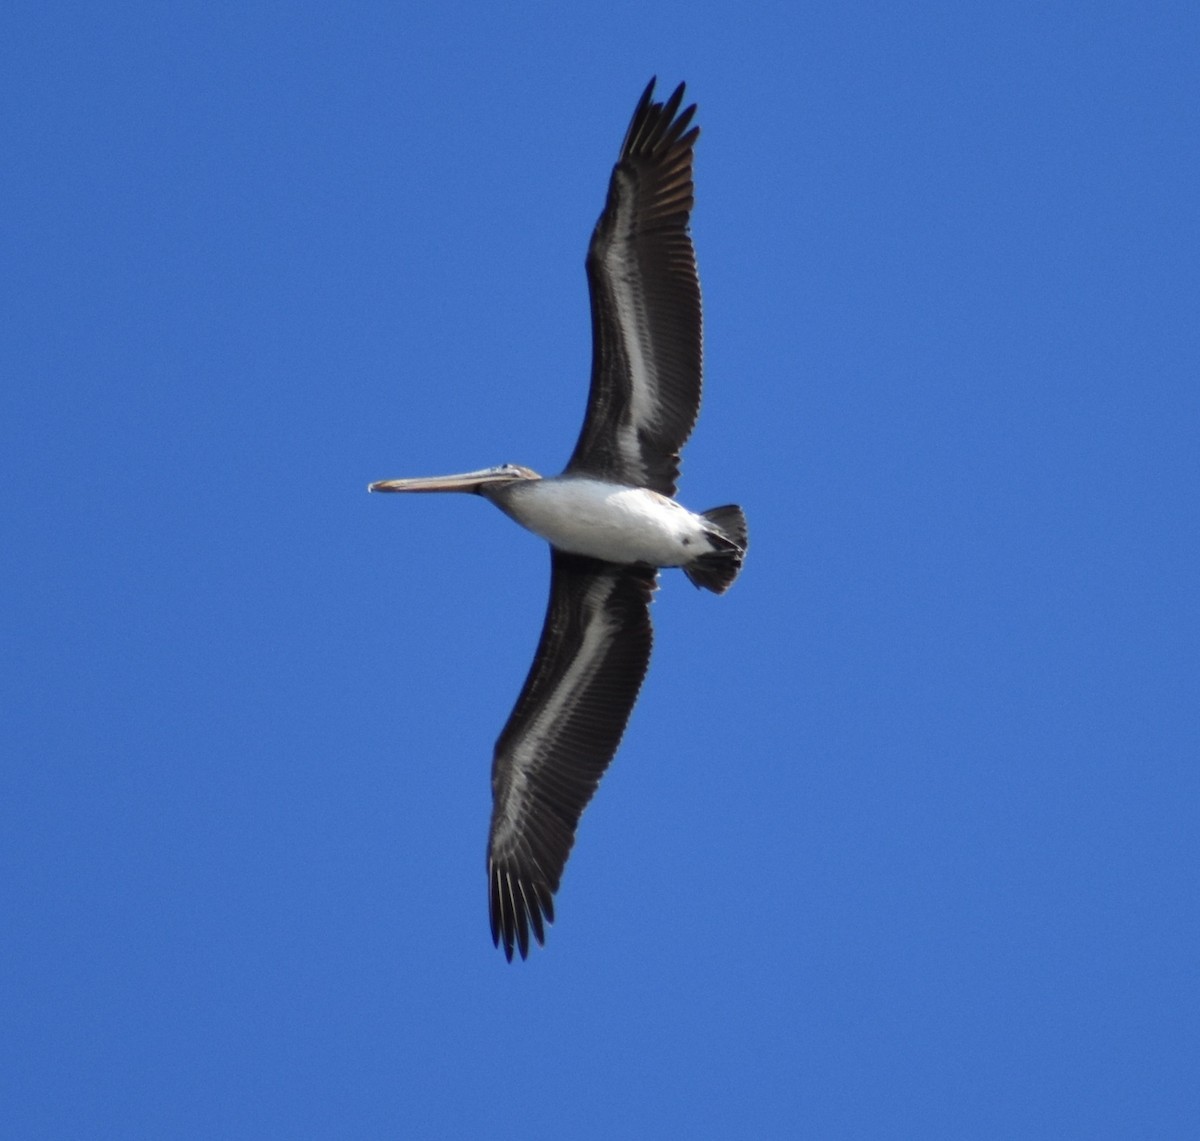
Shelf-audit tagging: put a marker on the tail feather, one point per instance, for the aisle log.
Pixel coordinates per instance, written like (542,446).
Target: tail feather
(716,569)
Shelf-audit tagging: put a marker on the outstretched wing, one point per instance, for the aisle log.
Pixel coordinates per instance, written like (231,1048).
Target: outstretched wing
(562,734)
(646,325)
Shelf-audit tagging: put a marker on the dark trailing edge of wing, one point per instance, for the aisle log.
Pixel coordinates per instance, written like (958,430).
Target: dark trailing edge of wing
(562,734)
(645,299)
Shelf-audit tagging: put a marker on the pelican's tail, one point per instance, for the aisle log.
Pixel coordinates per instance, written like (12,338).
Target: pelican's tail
(716,569)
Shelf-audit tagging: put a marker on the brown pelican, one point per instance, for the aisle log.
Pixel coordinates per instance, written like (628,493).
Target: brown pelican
(610,519)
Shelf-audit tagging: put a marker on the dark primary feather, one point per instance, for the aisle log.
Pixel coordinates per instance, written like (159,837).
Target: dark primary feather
(562,734)
(645,295)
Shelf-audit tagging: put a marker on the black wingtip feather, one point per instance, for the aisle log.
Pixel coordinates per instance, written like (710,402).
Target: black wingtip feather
(659,126)
(517,908)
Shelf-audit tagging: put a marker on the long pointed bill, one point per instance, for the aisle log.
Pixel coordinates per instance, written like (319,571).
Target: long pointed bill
(467,481)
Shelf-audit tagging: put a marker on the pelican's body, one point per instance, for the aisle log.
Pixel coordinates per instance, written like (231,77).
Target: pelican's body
(605,520)
(610,519)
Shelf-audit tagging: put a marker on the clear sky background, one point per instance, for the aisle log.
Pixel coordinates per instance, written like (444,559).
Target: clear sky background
(902,840)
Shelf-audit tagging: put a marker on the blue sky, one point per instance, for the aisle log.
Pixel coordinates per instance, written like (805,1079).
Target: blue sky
(902,840)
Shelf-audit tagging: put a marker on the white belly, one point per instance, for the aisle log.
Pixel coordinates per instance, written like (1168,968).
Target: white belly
(607,521)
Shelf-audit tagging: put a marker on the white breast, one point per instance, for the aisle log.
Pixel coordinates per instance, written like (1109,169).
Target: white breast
(607,521)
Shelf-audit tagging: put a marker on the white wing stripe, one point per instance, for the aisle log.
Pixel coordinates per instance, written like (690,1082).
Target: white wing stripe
(625,279)
(597,636)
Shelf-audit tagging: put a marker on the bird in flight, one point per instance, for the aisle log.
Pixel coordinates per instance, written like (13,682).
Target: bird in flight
(610,518)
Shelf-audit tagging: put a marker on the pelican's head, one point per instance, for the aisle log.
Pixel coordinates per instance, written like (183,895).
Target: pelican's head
(474,481)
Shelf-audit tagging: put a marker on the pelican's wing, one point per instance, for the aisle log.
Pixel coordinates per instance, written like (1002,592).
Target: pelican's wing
(646,335)
(562,734)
